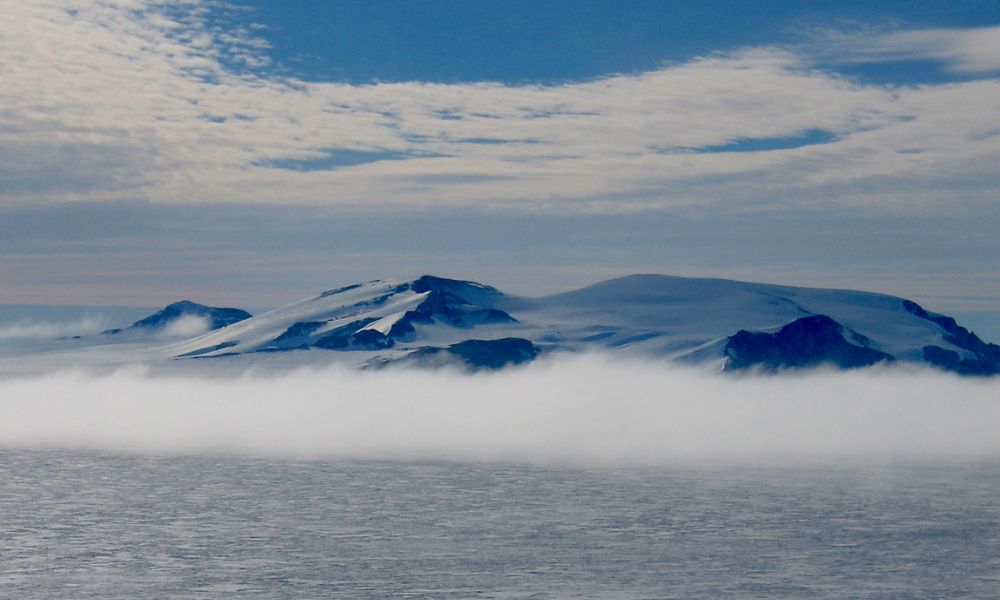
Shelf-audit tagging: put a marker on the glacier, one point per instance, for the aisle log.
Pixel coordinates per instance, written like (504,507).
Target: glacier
(430,322)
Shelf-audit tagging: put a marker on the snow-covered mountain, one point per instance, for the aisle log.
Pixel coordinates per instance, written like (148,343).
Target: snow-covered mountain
(183,315)
(432,321)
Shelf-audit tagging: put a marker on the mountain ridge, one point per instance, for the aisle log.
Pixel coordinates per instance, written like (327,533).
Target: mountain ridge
(214,317)
(733,325)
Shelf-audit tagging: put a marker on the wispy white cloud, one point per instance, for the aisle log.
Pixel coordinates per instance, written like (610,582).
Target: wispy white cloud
(185,327)
(975,50)
(132,99)
(33,330)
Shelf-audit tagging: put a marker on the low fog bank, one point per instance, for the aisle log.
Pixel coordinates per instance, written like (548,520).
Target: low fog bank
(185,327)
(583,410)
(32,330)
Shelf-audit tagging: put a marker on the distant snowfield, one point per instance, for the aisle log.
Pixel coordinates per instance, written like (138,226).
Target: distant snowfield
(432,321)
(587,410)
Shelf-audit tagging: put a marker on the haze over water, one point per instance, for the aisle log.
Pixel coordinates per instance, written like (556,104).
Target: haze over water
(574,478)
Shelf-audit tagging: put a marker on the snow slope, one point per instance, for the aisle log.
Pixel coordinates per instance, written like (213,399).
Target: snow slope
(432,320)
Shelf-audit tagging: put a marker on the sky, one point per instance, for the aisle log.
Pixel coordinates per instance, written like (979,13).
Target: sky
(254,152)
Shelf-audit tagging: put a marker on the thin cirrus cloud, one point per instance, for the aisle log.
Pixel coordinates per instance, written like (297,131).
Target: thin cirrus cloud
(967,51)
(134,100)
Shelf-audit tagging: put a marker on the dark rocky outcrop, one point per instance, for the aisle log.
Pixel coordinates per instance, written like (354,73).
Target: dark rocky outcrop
(299,332)
(457,303)
(477,354)
(952,361)
(340,290)
(806,342)
(352,336)
(986,359)
(295,337)
(200,351)
(217,318)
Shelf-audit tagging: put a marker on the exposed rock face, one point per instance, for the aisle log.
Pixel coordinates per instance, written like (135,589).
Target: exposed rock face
(986,359)
(477,354)
(460,304)
(353,336)
(295,337)
(217,318)
(201,351)
(952,361)
(806,342)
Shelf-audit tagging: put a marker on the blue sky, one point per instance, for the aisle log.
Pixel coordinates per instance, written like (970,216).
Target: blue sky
(254,152)
(548,42)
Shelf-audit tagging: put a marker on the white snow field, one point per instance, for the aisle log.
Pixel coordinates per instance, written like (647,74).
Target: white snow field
(430,319)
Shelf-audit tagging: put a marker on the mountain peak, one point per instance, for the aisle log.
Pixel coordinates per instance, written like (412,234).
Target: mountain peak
(427,283)
(807,342)
(215,316)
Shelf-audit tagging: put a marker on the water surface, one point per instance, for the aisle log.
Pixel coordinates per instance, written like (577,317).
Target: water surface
(98,525)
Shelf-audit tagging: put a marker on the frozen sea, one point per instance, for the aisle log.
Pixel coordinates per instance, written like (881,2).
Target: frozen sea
(111,525)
